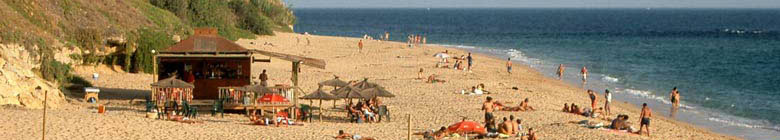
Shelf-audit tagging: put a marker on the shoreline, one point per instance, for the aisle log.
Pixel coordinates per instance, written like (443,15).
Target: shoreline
(386,63)
(616,102)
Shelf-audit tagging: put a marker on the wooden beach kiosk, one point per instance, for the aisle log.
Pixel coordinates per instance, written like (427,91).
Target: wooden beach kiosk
(214,64)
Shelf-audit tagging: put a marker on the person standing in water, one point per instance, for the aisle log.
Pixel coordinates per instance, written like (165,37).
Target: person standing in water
(675,97)
(608,99)
(584,73)
(560,71)
(509,65)
(645,119)
(360,46)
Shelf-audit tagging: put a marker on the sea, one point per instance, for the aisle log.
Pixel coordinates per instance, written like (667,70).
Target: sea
(725,62)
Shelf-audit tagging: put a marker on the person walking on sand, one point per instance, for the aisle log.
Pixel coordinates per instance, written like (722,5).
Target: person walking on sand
(423,41)
(592,99)
(360,46)
(263,78)
(387,36)
(509,65)
(487,106)
(608,99)
(645,119)
(470,60)
(584,73)
(560,71)
(675,97)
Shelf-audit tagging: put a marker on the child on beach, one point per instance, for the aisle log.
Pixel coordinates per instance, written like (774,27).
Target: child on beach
(509,65)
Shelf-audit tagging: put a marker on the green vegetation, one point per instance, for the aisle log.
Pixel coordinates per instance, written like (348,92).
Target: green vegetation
(250,18)
(148,40)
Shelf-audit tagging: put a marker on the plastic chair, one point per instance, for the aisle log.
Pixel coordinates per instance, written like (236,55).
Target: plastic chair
(218,107)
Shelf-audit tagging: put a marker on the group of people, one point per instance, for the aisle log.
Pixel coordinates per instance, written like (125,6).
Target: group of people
(479,89)
(583,73)
(415,40)
(364,111)
(508,127)
(620,122)
(459,63)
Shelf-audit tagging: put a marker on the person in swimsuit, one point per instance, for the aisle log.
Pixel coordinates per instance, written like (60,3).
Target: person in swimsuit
(515,131)
(608,97)
(675,96)
(645,119)
(524,106)
(565,107)
(509,65)
(560,71)
(470,61)
(360,46)
(531,134)
(592,98)
(487,106)
(584,73)
(343,135)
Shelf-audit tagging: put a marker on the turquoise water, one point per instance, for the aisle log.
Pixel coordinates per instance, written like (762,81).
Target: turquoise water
(726,62)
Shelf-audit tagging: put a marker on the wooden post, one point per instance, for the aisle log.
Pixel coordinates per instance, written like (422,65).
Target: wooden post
(154,56)
(295,66)
(409,130)
(320,110)
(311,102)
(45,100)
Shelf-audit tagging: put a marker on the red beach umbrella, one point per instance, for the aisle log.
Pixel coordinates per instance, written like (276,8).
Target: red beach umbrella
(466,127)
(272,98)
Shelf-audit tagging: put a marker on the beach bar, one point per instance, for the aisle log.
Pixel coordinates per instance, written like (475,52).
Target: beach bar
(214,65)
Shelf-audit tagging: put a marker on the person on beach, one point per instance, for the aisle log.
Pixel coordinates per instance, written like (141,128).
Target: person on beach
(608,99)
(487,106)
(492,130)
(509,65)
(524,106)
(560,71)
(263,78)
(515,131)
(584,73)
(645,119)
(592,98)
(470,61)
(343,135)
(505,129)
(565,107)
(387,36)
(419,74)
(675,97)
(531,134)
(519,129)
(360,46)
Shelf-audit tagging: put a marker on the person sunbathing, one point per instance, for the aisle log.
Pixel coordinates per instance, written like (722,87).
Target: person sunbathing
(432,79)
(524,106)
(343,135)
(565,107)
(620,123)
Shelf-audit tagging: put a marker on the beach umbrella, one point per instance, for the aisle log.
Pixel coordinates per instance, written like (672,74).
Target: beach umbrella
(365,84)
(376,92)
(467,127)
(319,95)
(348,92)
(335,82)
(273,99)
(257,89)
(441,55)
(172,83)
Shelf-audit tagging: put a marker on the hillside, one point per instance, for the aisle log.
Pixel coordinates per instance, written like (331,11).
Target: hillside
(50,36)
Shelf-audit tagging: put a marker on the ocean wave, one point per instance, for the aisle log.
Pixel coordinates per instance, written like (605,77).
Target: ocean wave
(609,79)
(743,122)
(456,46)
(732,123)
(651,96)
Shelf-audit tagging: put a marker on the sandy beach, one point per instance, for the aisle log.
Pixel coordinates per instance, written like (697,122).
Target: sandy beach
(390,64)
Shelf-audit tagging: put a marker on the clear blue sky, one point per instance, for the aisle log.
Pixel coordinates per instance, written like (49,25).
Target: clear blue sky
(534,3)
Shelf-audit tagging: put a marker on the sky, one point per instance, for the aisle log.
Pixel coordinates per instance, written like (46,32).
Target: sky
(534,3)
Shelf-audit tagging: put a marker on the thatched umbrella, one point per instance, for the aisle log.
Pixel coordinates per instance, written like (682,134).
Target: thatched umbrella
(319,95)
(172,83)
(376,92)
(366,85)
(335,82)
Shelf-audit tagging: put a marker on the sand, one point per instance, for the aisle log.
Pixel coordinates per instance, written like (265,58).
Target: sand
(389,64)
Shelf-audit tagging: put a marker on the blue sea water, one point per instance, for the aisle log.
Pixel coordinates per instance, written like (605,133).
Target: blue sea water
(726,62)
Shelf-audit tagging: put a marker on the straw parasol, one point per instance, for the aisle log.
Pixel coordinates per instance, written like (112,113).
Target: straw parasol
(319,95)
(335,82)
(376,92)
(172,83)
(366,85)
